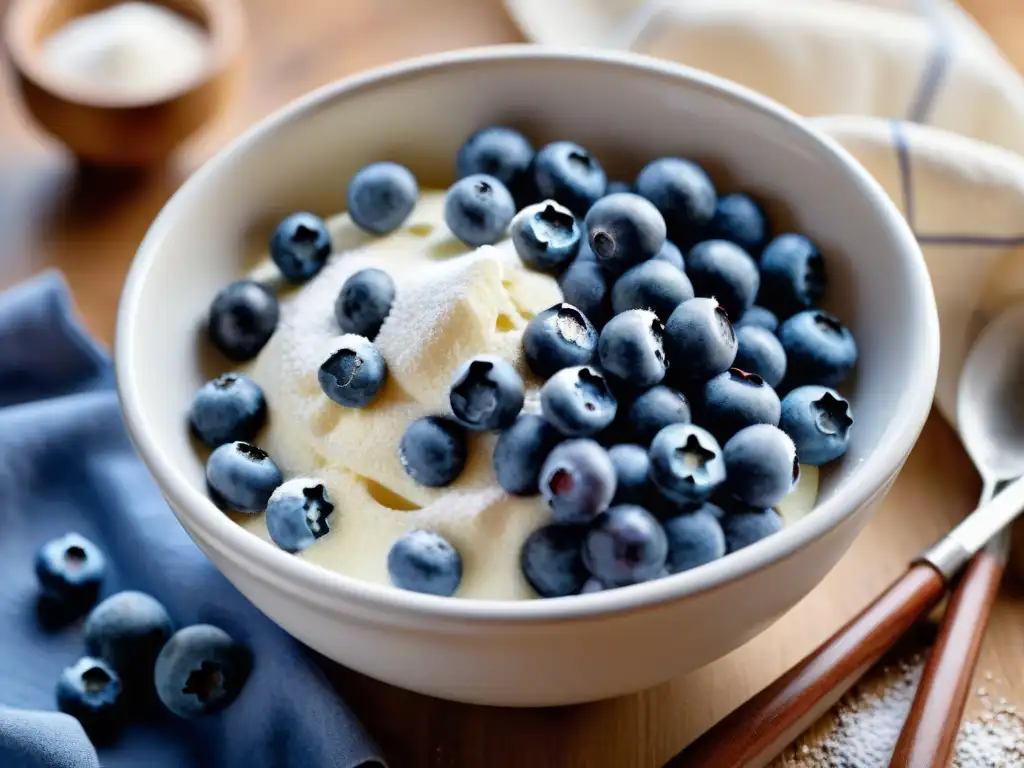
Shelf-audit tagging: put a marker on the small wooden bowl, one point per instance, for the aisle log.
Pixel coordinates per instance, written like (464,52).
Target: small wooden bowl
(107,128)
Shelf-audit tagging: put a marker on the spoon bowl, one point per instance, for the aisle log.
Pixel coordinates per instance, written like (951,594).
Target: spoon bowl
(990,400)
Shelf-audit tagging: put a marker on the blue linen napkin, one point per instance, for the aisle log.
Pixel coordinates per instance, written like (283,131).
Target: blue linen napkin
(66,464)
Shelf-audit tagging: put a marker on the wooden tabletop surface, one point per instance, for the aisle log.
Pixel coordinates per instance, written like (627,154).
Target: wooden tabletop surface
(88,224)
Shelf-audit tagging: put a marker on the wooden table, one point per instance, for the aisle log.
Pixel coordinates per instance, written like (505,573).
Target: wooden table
(88,224)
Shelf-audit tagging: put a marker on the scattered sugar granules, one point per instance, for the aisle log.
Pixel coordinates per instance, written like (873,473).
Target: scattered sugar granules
(867,721)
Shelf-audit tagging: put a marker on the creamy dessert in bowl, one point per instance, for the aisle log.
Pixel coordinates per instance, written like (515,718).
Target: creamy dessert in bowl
(378,340)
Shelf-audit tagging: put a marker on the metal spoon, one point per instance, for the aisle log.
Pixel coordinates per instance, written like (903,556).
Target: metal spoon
(753,734)
(990,418)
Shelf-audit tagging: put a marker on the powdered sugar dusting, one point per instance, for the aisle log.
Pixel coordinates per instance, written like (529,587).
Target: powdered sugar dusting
(866,725)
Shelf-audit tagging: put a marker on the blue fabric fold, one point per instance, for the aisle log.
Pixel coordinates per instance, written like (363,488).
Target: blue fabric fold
(66,464)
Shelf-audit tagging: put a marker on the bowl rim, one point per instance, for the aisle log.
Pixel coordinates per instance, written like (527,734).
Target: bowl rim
(316,585)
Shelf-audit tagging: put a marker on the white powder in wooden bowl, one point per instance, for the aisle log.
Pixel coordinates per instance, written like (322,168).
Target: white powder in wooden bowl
(867,723)
(130,50)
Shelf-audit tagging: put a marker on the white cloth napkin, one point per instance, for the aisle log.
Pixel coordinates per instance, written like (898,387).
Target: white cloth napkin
(914,89)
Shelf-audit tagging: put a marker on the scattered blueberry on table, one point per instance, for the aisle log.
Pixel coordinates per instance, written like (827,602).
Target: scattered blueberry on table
(663,408)
(70,570)
(128,630)
(200,671)
(90,691)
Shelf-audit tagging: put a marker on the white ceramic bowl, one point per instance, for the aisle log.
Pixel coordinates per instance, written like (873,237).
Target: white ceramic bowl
(627,109)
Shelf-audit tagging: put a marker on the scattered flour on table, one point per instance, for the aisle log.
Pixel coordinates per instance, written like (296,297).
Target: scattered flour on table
(868,720)
(131,49)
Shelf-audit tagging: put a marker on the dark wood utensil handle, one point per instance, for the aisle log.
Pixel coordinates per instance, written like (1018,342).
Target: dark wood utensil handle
(929,735)
(758,730)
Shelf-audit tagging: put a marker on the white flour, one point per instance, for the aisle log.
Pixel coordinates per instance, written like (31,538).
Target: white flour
(130,50)
(868,720)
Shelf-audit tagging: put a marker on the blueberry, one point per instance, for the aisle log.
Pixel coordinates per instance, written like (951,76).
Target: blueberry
(631,348)
(241,477)
(381,196)
(423,561)
(478,210)
(736,399)
(632,469)
(243,317)
(200,671)
(300,246)
(433,451)
(577,481)
(592,585)
(559,337)
(761,465)
(624,230)
(552,560)
(578,402)
(725,271)
(486,393)
(686,463)
(818,420)
(671,254)
(546,235)
(759,317)
(740,220)
(584,286)
(228,408)
(654,410)
(569,174)
(90,691)
(792,275)
(684,194)
(354,374)
(654,285)
(70,569)
(127,630)
(298,512)
(694,538)
(625,545)
(819,349)
(520,451)
(745,528)
(501,152)
(760,352)
(364,302)
(699,339)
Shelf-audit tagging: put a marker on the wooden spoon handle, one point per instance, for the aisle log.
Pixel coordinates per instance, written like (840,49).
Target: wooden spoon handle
(929,734)
(758,730)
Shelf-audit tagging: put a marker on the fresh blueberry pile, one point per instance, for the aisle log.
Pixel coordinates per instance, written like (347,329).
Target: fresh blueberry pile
(134,657)
(687,374)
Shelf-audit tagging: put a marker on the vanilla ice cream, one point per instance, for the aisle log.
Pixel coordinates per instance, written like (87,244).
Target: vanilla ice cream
(451,303)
